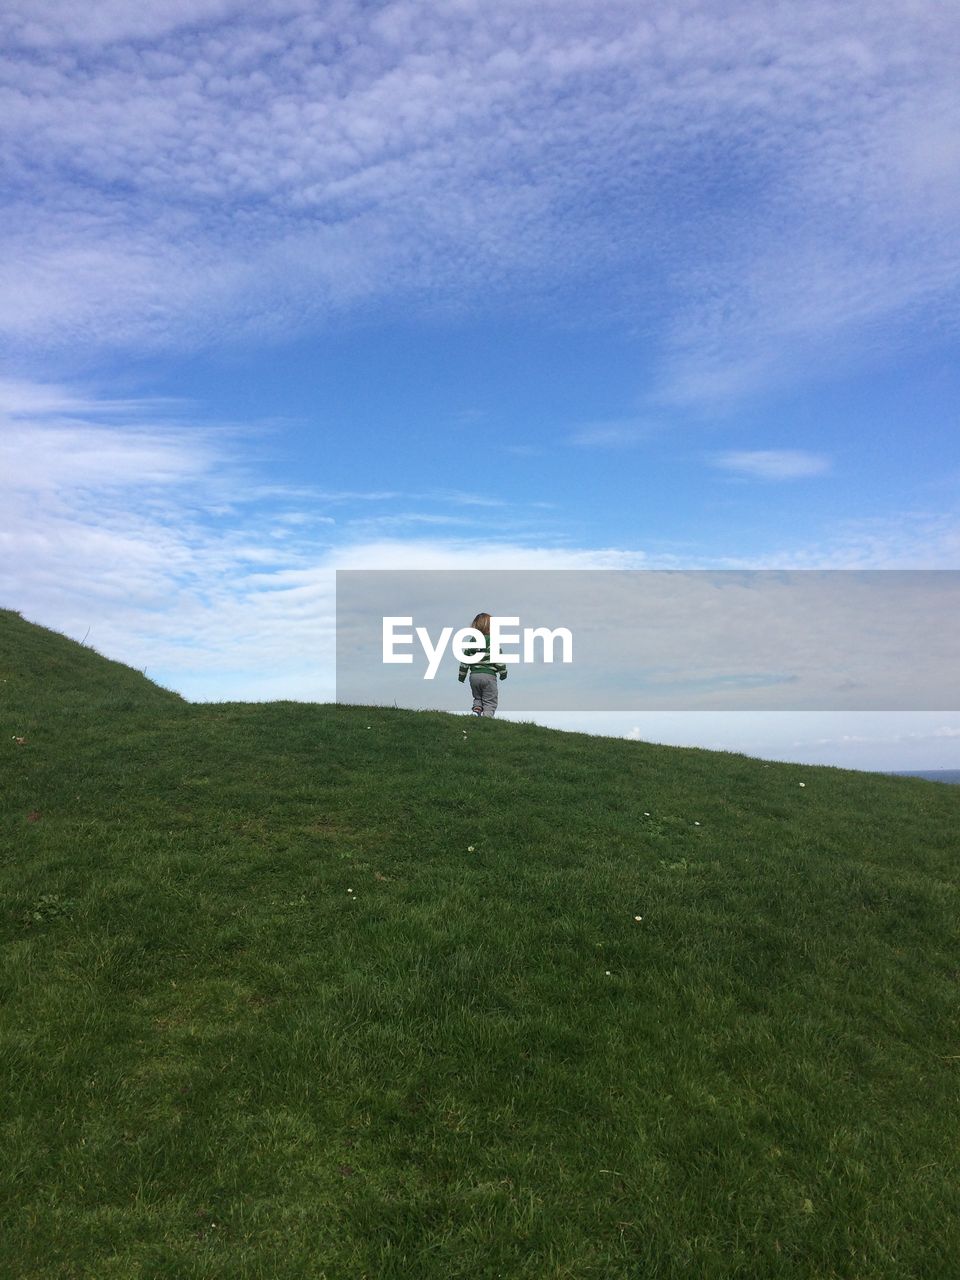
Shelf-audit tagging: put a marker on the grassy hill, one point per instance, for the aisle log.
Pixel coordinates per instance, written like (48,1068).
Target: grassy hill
(345,992)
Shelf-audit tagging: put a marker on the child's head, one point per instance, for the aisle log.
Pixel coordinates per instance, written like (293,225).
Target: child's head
(481,623)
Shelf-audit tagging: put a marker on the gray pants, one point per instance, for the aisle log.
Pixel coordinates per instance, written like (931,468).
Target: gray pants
(484,690)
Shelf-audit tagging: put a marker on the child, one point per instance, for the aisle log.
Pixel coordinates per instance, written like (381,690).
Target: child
(483,674)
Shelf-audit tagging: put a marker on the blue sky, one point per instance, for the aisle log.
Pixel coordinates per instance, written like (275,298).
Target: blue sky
(288,288)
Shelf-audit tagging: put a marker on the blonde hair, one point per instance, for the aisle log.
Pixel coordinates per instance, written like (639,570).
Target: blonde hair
(481,623)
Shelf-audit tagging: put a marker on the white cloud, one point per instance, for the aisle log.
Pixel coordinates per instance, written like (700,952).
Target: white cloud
(463,499)
(612,435)
(773,464)
(940,733)
(770,186)
(899,540)
(49,24)
(21,398)
(84,456)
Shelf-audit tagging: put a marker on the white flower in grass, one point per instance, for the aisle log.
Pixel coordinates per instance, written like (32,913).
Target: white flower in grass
(696,824)
(470,848)
(803,784)
(645,814)
(638,918)
(608,973)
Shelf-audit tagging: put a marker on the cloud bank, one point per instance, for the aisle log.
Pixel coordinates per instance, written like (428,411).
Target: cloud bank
(748,185)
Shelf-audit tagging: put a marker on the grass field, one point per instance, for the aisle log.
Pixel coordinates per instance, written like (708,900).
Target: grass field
(345,992)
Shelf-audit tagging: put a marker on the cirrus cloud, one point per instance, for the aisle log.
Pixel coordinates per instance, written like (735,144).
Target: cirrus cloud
(773,464)
(752,186)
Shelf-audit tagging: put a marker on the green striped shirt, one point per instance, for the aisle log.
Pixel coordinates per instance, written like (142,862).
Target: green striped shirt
(481,666)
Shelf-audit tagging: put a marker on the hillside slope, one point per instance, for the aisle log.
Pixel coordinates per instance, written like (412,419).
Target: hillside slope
(357,992)
(44,670)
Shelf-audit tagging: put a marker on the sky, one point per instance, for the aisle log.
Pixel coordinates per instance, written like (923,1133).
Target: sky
(288,288)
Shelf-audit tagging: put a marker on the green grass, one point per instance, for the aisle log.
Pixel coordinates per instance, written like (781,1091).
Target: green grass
(218,1061)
